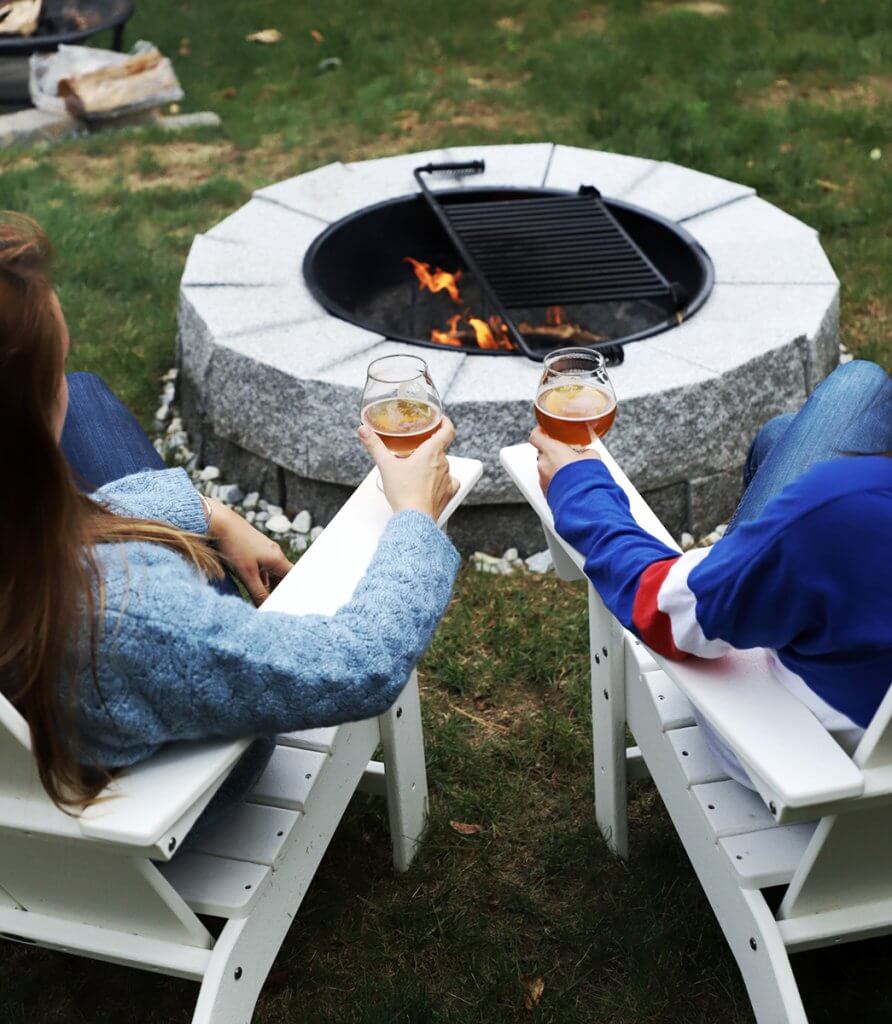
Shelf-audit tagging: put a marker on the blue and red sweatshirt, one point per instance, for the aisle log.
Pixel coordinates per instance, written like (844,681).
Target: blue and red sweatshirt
(809,579)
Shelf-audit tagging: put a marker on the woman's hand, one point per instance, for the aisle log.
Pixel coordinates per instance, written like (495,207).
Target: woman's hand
(256,560)
(554,455)
(421,481)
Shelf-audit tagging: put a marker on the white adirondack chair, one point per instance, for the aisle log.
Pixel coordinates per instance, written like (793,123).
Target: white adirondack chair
(821,824)
(104,885)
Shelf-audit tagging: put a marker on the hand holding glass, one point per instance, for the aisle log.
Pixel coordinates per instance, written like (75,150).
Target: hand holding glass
(400,403)
(575,401)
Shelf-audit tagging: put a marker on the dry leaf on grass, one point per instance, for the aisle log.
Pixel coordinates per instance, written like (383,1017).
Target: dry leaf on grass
(267,36)
(317,36)
(185,47)
(532,990)
(828,186)
(230,92)
(465,829)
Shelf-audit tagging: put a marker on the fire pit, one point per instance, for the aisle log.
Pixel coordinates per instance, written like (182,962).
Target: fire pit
(70,21)
(364,269)
(273,362)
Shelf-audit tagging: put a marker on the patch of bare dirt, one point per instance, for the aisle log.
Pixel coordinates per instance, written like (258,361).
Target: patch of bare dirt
(869,92)
(708,8)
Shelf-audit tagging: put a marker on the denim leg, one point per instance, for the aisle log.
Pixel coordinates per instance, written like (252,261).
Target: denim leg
(763,442)
(101,439)
(849,412)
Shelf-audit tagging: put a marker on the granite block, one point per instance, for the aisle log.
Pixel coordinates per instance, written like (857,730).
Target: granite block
(751,241)
(217,261)
(319,193)
(261,222)
(713,499)
(526,164)
(741,322)
(670,504)
(229,310)
(613,174)
(681,192)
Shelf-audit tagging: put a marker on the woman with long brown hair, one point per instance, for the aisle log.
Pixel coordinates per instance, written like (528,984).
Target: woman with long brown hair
(111,641)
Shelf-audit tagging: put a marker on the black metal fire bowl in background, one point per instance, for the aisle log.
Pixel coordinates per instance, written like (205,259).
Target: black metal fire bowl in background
(357,270)
(71,21)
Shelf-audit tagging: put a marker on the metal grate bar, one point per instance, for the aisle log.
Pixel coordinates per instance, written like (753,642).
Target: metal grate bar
(545,251)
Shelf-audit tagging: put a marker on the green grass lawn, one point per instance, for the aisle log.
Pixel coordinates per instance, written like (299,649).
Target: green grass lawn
(790,96)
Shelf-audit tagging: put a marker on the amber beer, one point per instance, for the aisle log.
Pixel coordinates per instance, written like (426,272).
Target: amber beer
(402,423)
(575,413)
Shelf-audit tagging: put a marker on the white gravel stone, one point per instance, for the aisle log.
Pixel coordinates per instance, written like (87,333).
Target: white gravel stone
(687,542)
(489,563)
(540,562)
(711,538)
(316,533)
(230,494)
(302,522)
(171,375)
(260,517)
(209,473)
(511,555)
(721,528)
(162,413)
(275,510)
(249,516)
(264,504)
(299,542)
(252,500)
(278,523)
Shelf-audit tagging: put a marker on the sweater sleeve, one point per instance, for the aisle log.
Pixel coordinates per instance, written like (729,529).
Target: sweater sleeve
(163,494)
(186,662)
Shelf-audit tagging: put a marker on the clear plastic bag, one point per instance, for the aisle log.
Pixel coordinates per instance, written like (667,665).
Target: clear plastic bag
(48,69)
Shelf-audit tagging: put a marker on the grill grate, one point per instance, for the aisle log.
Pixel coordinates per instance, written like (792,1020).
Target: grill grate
(547,251)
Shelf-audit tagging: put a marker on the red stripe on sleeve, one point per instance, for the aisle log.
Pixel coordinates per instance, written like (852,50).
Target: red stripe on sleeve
(652,625)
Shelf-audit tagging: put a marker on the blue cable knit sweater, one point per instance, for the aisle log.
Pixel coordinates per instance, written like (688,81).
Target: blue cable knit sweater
(179,661)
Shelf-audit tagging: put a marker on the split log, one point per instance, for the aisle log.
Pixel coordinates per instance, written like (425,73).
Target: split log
(562,332)
(133,83)
(19,17)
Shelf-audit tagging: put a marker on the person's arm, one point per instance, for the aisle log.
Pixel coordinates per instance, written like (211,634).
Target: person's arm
(165,495)
(635,574)
(182,662)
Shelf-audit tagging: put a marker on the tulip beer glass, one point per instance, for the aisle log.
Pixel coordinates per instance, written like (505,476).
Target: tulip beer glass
(400,403)
(575,401)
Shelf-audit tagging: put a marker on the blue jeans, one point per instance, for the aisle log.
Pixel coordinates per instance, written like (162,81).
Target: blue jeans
(849,413)
(103,442)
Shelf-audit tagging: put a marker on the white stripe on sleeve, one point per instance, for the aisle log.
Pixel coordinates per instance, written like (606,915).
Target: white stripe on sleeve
(677,600)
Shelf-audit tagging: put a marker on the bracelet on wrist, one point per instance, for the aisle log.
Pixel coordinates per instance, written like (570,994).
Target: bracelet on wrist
(208,510)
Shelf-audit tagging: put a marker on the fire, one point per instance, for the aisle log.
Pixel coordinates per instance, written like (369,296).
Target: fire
(449,337)
(490,335)
(438,281)
(464,326)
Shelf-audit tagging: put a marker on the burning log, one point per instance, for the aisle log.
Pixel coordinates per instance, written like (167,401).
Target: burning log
(144,80)
(562,332)
(19,17)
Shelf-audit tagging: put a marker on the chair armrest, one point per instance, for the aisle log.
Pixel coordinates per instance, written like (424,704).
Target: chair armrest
(792,759)
(141,806)
(326,576)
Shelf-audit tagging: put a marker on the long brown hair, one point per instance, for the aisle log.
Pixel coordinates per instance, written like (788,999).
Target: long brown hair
(51,593)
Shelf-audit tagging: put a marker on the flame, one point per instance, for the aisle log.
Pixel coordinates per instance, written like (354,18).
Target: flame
(438,281)
(554,316)
(449,337)
(492,335)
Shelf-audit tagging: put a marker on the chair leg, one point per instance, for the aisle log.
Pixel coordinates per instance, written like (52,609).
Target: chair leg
(405,774)
(607,653)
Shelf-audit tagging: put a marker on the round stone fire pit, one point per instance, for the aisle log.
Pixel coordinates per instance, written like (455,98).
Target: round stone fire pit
(271,380)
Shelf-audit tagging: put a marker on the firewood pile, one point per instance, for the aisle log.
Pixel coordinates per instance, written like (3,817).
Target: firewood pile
(19,17)
(143,80)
